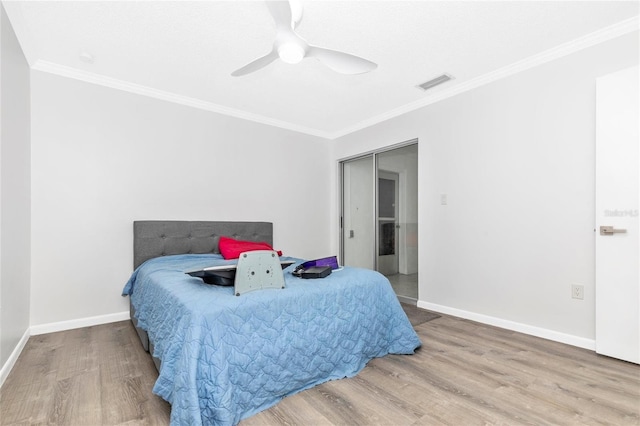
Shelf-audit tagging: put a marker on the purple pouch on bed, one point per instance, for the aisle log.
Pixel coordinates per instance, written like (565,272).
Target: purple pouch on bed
(331,261)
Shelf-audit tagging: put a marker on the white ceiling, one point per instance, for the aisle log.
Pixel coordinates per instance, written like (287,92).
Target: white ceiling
(185,51)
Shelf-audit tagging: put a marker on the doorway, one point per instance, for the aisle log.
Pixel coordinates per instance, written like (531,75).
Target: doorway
(379,215)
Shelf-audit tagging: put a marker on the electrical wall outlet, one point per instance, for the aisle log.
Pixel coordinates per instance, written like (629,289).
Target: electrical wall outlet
(577,291)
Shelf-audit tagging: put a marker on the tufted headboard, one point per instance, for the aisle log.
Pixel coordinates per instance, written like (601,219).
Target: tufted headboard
(153,238)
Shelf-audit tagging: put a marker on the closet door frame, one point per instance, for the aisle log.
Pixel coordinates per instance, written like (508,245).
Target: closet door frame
(374,249)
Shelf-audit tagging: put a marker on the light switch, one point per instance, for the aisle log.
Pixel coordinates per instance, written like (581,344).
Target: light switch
(443,199)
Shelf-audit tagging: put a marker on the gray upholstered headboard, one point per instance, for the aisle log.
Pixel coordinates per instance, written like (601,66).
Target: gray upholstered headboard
(153,238)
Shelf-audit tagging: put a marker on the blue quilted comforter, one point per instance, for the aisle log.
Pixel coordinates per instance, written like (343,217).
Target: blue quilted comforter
(225,358)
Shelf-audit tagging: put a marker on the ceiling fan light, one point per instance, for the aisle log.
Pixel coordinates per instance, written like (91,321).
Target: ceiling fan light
(291,53)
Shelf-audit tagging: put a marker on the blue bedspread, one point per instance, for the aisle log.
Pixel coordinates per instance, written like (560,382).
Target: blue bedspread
(225,358)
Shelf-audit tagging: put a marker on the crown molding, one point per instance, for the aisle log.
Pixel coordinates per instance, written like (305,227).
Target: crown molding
(605,34)
(89,77)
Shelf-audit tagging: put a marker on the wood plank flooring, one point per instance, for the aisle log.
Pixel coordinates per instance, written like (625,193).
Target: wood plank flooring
(89,376)
(465,374)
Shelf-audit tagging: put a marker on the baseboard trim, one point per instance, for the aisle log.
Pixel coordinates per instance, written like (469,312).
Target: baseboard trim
(78,323)
(407,300)
(544,333)
(8,366)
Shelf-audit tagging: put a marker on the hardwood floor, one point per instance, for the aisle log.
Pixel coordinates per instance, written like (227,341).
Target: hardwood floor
(465,374)
(405,285)
(89,376)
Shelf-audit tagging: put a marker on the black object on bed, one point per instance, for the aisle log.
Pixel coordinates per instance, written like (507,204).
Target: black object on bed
(316,272)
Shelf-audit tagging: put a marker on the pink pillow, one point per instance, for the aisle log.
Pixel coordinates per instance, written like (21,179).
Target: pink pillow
(231,249)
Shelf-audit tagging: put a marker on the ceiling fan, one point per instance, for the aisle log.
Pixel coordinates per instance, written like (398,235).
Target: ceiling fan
(291,48)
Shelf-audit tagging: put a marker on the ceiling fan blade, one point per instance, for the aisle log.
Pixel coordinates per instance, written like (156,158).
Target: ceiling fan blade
(281,12)
(341,62)
(296,12)
(256,65)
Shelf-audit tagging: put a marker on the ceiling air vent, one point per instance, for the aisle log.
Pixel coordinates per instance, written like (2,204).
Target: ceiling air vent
(435,81)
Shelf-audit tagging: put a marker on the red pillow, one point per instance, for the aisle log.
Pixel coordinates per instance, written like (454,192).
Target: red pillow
(231,249)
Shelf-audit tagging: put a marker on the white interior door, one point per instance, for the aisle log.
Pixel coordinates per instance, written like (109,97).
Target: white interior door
(617,195)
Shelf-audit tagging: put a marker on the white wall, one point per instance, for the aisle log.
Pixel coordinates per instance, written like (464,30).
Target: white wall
(14,195)
(102,158)
(516,158)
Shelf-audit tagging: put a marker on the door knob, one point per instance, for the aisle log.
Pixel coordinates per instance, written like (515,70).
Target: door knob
(610,230)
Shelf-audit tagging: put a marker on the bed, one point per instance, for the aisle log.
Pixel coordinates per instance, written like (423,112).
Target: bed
(222,358)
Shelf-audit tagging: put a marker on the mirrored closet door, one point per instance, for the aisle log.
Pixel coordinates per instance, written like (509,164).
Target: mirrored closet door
(379,215)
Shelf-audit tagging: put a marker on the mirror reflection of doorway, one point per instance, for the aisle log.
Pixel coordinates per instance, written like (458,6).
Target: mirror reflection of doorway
(379,216)
(387,222)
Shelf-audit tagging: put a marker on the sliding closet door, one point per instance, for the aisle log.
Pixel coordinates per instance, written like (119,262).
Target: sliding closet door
(379,216)
(358,234)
